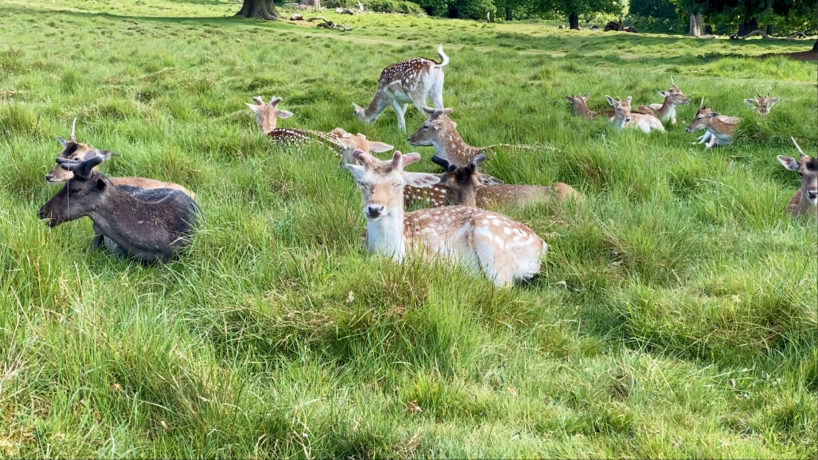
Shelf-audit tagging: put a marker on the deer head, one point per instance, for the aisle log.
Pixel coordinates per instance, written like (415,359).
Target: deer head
(83,192)
(807,169)
(762,104)
(622,109)
(436,128)
(675,95)
(267,113)
(348,143)
(701,119)
(73,150)
(461,182)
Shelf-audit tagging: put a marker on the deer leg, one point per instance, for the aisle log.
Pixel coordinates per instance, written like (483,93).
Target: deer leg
(712,142)
(400,110)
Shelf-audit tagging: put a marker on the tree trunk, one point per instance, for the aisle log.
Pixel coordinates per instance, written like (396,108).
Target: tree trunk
(695,24)
(573,21)
(259,9)
(508,14)
(815,46)
(747,27)
(312,3)
(770,29)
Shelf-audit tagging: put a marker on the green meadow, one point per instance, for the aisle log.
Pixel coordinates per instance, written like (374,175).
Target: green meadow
(675,315)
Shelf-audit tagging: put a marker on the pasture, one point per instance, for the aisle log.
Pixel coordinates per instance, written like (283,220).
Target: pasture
(675,315)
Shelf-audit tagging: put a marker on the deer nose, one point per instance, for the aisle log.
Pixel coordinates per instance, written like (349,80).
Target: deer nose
(49,176)
(374,211)
(41,213)
(627,119)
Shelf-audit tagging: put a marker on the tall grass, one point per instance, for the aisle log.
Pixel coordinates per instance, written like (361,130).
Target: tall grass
(675,317)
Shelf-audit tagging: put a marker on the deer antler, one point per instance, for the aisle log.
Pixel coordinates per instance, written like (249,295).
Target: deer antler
(73,130)
(798,147)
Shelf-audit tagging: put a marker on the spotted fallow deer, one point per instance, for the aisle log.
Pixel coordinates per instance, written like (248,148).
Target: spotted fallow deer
(762,104)
(464,188)
(73,150)
(349,143)
(579,106)
(667,109)
(414,81)
(503,249)
(805,201)
(719,128)
(624,118)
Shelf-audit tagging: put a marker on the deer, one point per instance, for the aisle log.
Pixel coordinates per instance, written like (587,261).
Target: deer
(667,109)
(348,143)
(761,104)
(148,225)
(464,188)
(624,118)
(267,115)
(73,150)
(412,80)
(579,106)
(805,201)
(503,249)
(719,128)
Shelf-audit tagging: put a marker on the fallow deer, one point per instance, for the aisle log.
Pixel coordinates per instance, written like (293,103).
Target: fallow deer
(579,106)
(805,201)
(761,104)
(503,249)
(414,81)
(624,118)
(147,224)
(667,109)
(719,128)
(73,150)
(348,143)
(464,188)
(267,115)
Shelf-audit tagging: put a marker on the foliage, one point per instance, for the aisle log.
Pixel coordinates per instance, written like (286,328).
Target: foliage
(658,9)
(380,6)
(675,315)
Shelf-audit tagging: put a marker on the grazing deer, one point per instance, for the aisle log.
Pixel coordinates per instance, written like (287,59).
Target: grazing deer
(464,188)
(719,128)
(505,250)
(805,201)
(414,81)
(73,150)
(147,224)
(762,104)
(624,118)
(579,106)
(667,109)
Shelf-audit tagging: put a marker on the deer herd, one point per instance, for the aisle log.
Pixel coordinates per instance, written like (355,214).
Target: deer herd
(149,220)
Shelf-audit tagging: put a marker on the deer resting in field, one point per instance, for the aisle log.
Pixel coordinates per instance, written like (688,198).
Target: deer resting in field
(414,81)
(349,143)
(579,106)
(761,104)
(719,128)
(624,118)
(464,188)
(503,249)
(667,109)
(73,150)
(805,201)
(146,224)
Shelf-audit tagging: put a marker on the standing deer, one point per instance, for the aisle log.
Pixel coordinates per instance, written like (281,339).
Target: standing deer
(762,104)
(414,81)
(624,118)
(719,128)
(579,106)
(464,188)
(805,201)
(147,224)
(503,249)
(73,150)
(667,109)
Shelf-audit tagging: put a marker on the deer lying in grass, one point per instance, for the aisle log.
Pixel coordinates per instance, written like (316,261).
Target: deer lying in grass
(414,81)
(147,224)
(267,115)
(579,106)
(805,201)
(761,104)
(624,118)
(503,249)
(73,150)
(464,188)
(667,109)
(719,128)
(348,143)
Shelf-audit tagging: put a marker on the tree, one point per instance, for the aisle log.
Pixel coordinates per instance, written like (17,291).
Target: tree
(574,8)
(696,9)
(259,9)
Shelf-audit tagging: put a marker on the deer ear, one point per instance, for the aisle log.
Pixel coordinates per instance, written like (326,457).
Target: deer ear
(714,115)
(664,93)
(569,98)
(62,141)
(380,147)
(446,111)
(611,100)
(105,154)
(420,180)
(629,99)
(283,114)
(428,110)
(789,163)
(253,107)
(752,102)
(357,172)
(774,101)
(479,159)
(409,158)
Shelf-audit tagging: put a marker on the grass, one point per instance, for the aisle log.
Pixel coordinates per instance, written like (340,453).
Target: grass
(675,317)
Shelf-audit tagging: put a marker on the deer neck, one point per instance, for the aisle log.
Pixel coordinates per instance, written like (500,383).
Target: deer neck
(619,122)
(375,107)
(668,109)
(583,111)
(721,127)
(385,236)
(454,149)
